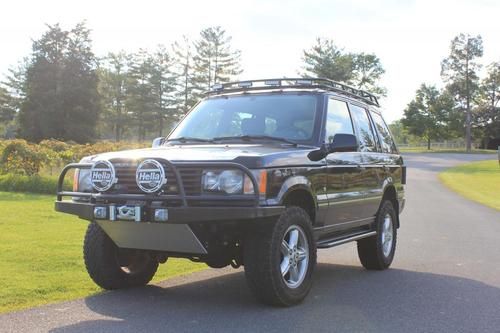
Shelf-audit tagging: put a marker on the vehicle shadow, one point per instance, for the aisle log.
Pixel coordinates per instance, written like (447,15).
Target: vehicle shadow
(343,298)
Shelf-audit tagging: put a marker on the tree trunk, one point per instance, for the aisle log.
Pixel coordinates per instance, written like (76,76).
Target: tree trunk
(467,94)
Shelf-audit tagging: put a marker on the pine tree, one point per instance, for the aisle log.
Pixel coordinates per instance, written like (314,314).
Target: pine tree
(183,63)
(113,89)
(460,72)
(140,98)
(215,60)
(163,87)
(57,86)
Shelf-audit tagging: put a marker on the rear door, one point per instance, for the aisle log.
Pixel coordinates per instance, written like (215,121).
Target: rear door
(372,171)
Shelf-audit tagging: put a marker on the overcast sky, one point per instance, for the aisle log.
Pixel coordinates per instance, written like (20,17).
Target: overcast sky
(410,37)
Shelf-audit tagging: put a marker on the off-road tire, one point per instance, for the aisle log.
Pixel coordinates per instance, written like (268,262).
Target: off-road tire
(370,250)
(261,251)
(100,256)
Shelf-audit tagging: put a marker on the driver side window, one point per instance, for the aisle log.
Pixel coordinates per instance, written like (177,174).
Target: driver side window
(338,119)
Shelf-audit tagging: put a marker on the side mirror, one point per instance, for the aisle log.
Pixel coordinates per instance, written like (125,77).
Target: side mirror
(340,143)
(343,143)
(158,142)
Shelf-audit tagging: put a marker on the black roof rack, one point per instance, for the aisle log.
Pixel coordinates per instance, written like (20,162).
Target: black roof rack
(294,83)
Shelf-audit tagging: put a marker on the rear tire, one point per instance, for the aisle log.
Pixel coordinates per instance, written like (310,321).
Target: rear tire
(279,259)
(377,252)
(113,268)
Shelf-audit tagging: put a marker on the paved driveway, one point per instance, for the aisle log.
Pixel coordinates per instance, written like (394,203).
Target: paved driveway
(445,278)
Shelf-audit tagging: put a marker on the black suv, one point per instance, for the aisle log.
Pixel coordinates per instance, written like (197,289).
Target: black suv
(260,174)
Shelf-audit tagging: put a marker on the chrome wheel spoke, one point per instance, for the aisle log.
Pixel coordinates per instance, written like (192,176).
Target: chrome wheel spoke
(302,254)
(294,274)
(285,248)
(285,266)
(294,238)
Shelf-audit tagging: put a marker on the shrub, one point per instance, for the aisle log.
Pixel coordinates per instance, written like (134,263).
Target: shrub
(22,158)
(32,184)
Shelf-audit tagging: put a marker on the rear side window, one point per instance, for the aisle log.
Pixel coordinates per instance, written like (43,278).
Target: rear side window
(386,141)
(338,119)
(364,129)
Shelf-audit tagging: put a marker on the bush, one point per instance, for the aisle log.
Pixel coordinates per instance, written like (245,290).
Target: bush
(20,157)
(32,184)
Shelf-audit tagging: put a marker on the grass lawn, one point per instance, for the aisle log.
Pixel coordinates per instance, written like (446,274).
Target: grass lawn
(478,181)
(41,254)
(451,151)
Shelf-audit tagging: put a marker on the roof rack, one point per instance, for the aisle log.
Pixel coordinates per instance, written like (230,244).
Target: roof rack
(294,83)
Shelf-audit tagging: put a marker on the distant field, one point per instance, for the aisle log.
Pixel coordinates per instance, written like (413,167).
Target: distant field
(453,151)
(41,254)
(478,181)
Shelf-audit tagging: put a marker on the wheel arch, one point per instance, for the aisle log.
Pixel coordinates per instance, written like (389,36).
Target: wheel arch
(301,196)
(391,194)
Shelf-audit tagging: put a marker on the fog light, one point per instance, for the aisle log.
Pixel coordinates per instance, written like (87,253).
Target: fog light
(100,212)
(161,215)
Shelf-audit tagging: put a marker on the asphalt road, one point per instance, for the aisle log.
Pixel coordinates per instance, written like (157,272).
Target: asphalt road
(445,278)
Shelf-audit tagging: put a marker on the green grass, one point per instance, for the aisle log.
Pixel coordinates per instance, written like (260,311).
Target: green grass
(452,151)
(41,254)
(478,181)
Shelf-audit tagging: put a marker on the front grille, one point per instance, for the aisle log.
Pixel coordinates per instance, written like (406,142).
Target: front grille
(126,169)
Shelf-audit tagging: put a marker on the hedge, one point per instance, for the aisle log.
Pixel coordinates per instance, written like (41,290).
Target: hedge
(31,184)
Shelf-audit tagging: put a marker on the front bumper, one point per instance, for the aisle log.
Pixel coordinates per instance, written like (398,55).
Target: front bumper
(130,220)
(173,235)
(178,215)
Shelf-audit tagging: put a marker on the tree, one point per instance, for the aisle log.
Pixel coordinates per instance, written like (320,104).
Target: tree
(183,66)
(163,87)
(488,112)
(326,60)
(428,113)
(113,89)
(367,71)
(215,61)
(140,98)
(7,108)
(361,70)
(57,86)
(459,71)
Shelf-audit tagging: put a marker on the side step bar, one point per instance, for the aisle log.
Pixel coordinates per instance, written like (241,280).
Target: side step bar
(339,241)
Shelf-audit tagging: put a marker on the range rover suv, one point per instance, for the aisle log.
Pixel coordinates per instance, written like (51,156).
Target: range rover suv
(259,174)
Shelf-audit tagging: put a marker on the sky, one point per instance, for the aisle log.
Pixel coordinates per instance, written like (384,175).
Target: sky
(410,37)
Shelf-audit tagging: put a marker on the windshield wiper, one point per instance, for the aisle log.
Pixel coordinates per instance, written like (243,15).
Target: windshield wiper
(184,139)
(255,137)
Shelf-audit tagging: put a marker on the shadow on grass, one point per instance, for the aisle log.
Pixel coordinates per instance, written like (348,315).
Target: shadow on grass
(343,298)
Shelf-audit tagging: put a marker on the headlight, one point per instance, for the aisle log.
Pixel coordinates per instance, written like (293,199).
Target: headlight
(81,179)
(233,181)
(228,181)
(82,183)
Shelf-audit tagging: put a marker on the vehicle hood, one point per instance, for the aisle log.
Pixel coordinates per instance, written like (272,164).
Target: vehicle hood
(250,155)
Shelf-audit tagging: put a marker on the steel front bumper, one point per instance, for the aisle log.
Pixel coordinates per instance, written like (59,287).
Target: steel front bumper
(173,235)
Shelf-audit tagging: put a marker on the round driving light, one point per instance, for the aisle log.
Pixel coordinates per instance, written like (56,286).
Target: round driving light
(150,176)
(102,175)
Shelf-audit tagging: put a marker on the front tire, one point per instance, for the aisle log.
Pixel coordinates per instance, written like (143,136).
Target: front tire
(377,252)
(113,268)
(279,259)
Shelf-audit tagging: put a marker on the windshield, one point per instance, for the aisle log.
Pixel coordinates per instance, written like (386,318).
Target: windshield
(285,116)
